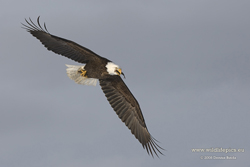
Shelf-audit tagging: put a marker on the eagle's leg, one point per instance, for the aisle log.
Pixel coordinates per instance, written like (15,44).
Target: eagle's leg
(83,72)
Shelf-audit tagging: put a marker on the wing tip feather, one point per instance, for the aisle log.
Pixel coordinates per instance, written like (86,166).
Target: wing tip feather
(33,27)
(153,148)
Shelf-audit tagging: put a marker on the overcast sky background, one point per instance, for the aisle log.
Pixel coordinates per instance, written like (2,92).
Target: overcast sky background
(186,62)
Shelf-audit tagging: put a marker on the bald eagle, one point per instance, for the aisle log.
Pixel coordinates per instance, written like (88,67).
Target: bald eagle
(108,73)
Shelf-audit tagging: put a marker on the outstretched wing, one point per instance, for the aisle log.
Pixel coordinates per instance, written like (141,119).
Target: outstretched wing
(128,110)
(59,45)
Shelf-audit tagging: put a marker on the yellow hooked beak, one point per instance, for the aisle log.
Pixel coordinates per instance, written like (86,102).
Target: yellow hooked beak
(119,72)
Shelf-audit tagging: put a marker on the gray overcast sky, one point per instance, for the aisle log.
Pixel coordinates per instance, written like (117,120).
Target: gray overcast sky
(186,62)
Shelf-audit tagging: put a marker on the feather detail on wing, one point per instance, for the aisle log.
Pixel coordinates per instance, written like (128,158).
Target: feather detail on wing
(128,110)
(59,45)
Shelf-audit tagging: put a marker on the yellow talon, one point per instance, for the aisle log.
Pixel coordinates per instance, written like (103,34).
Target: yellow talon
(83,73)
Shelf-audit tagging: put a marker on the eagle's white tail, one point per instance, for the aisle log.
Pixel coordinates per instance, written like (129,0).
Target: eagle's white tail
(74,74)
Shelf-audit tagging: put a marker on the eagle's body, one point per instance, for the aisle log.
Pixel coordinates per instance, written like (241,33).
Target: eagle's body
(108,74)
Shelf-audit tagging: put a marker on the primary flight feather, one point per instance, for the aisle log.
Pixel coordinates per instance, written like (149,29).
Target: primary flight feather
(99,68)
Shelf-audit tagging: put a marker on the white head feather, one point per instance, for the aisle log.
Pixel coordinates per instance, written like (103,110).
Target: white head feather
(111,68)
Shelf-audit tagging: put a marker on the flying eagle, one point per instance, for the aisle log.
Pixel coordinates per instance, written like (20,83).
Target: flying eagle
(108,73)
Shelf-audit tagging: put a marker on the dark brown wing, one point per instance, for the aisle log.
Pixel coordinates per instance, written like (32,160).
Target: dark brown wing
(59,45)
(128,110)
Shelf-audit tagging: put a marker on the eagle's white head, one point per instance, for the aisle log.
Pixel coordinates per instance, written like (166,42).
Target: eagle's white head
(114,69)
